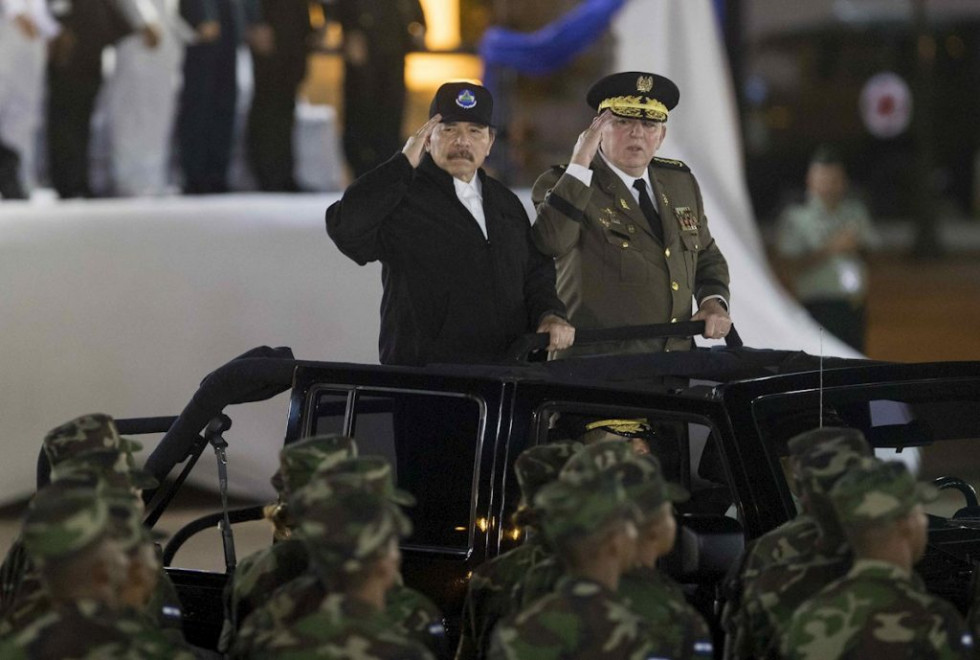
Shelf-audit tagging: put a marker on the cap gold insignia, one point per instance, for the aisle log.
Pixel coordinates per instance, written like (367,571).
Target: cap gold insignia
(622,202)
(644,84)
(685,218)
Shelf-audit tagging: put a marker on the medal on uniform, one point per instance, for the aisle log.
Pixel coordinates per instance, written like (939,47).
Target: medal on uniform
(685,218)
(622,202)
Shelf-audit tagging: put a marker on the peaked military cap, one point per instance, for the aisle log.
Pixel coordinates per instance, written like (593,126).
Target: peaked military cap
(634,94)
(463,101)
(878,492)
(63,521)
(299,460)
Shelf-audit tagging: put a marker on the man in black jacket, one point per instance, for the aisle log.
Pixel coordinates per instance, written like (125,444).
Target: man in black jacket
(462,278)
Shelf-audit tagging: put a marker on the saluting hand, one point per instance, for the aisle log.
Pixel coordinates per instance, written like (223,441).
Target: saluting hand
(415,145)
(588,140)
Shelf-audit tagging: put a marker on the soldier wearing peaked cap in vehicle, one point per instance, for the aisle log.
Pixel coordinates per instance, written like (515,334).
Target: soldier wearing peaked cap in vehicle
(796,536)
(352,539)
(406,608)
(880,608)
(774,594)
(81,549)
(629,230)
(489,593)
(262,572)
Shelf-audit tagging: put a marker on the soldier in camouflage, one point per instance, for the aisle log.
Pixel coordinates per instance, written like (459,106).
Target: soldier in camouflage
(592,528)
(82,551)
(880,608)
(259,574)
(771,598)
(88,452)
(488,596)
(84,436)
(793,538)
(352,540)
(410,611)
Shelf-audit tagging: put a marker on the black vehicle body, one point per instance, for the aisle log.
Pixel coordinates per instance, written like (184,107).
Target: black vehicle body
(735,408)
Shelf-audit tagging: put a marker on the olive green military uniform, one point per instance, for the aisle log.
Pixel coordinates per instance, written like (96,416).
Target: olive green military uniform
(612,270)
(879,609)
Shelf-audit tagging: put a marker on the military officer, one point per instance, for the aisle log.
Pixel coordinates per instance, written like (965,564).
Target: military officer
(627,229)
(880,608)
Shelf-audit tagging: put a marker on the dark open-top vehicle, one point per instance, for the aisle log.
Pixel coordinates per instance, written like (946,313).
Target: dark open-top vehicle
(723,415)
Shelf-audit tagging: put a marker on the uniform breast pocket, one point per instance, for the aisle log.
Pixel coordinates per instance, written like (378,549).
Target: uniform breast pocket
(624,261)
(692,245)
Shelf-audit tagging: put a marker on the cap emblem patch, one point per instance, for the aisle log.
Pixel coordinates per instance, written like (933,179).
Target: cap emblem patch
(466,100)
(644,84)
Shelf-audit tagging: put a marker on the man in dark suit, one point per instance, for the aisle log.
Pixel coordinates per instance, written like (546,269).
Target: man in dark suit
(627,229)
(462,278)
(377,36)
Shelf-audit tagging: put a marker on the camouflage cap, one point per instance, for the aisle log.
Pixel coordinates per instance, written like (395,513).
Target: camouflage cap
(63,521)
(540,465)
(878,492)
(86,436)
(106,465)
(374,474)
(83,434)
(591,461)
(580,510)
(800,443)
(345,530)
(299,460)
(645,483)
(823,463)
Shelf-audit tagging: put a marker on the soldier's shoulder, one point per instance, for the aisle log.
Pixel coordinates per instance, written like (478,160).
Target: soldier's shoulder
(547,179)
(670,164)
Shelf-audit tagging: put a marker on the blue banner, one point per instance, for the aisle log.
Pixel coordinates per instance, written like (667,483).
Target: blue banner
(551,47)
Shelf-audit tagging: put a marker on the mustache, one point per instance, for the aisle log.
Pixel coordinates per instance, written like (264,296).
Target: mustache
(462,153)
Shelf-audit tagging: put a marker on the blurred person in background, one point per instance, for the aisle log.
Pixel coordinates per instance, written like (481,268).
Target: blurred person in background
(378,34)
(142,97)
(206,118)
(823,243)
(279,59)
(74,80)
(25,27)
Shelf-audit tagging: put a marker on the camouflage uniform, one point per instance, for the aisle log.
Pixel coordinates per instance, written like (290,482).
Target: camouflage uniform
(772,597)
(60,525)
(878,609)
(261,573)
(88,453)
(790,540)
(489,594)
(344,532)
(83,439)
(581,618)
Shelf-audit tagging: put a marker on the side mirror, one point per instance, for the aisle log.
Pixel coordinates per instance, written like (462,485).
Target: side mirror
(706,547)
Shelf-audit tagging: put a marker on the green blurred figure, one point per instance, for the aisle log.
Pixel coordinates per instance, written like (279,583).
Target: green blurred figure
(84,549)
(880,608)
(591,527)
(489,594)
(406,609)
(352,537)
